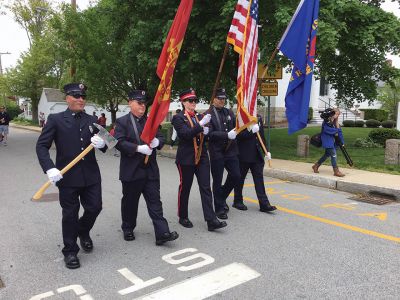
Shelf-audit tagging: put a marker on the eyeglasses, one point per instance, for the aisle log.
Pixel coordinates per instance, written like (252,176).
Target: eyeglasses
(192,100)
(77,96)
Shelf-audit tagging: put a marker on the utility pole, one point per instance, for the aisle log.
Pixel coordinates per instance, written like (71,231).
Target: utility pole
(1,74)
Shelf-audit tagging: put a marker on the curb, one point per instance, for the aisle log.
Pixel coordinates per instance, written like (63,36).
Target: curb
(332,183)
(30,128)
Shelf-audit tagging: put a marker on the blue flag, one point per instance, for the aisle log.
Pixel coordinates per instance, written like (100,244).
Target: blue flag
(298,44)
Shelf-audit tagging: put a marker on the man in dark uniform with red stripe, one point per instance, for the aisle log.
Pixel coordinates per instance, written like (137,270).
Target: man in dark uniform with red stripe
(192,159)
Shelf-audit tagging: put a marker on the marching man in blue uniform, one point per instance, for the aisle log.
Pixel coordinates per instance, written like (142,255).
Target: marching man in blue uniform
(72,131)
(223,152)
(138,177)
(192,159)
(251,157)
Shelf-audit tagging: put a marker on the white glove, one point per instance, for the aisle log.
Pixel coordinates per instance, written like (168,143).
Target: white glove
(54,175)
(206,119)
(232,134)
(97,142)
(206,130)
(255,128)
(268,156)
(154,143)
(144,149)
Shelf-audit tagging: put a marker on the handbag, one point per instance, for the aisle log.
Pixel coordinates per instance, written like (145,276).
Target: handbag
(316,140)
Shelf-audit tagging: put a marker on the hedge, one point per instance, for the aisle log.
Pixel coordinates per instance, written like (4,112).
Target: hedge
(359,123)
(388,124)
(372,123)
(375,114)
(348,123)
(380,135)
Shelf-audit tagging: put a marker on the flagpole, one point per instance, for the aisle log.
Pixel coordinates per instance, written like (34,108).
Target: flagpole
(263,146)
(270,61)
(221,66)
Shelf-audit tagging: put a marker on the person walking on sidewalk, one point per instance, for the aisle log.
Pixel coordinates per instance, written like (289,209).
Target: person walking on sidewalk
(192,160)
(330,132)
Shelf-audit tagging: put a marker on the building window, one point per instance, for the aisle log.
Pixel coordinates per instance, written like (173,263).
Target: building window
(324,87)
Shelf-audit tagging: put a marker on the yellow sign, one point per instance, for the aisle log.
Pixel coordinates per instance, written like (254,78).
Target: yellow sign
(269,88)
(272,73)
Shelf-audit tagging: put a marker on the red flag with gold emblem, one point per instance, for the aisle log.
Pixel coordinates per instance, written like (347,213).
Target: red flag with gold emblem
(165,70)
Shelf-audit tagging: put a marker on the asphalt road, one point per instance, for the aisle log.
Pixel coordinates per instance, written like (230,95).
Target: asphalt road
(320,244)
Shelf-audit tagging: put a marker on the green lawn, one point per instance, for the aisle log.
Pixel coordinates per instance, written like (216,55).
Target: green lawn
(283,146)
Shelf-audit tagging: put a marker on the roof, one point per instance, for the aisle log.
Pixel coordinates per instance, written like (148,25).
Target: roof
(54,95)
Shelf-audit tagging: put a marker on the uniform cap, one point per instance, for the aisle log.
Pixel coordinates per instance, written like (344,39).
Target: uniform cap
(75,89)
(138,95)
(220,93)
(187,94)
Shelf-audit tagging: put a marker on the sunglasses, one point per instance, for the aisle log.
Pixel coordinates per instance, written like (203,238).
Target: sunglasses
(192,100)
(77,96)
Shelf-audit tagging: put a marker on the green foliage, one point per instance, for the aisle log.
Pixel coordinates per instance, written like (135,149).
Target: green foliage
(372,123)
(284,146)
(359,123)
(310,114)
(380,136)
(366,143)
(389,97)
(26,122)
(388,124)
(376,114)
(13,110)
(348,123)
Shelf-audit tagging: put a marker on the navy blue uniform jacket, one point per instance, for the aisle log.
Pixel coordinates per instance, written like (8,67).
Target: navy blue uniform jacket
(132,163)
(250,149)
(185,153)
(71,137)
(218,135)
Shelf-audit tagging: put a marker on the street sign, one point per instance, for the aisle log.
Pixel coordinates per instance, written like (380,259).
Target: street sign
(272,73)
(269,88)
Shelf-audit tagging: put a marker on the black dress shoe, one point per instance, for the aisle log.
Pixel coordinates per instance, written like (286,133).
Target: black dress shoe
(226,207)
(215,224)
(267,208)
(166,237)
(86,243)
(222,216)
(185,222)
(72,261)
(129,236)
(239,206)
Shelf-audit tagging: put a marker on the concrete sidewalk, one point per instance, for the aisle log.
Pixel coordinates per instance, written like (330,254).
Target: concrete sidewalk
(355,181)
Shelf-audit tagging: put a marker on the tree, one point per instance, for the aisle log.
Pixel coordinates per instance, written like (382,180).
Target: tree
(389,97)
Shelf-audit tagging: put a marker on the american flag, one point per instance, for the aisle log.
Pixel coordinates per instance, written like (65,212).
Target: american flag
(243,35)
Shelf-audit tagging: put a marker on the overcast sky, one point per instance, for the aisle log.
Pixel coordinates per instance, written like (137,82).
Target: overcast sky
(13,38)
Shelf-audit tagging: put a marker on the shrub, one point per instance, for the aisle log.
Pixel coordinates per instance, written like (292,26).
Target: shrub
(348,123)
(372,123)
(13,111)
(366,143)
(380,136)
(375,114)
(388,124)
(310,114)
(359,123)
